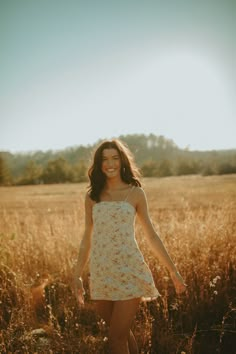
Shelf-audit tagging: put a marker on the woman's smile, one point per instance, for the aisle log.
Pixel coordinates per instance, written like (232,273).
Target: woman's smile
(110,162)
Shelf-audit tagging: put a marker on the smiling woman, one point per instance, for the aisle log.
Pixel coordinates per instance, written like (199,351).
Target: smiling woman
(110,162)
(119,276)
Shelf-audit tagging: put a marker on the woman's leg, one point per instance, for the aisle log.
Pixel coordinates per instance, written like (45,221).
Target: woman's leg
(123,314)
(133,346)
(105,310)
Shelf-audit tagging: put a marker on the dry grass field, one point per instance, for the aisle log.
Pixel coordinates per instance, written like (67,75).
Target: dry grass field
(40,229)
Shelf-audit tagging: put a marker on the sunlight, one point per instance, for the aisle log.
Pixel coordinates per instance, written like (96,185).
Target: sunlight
(186,83)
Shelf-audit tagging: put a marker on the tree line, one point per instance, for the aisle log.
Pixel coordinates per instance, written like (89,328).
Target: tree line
(156,156)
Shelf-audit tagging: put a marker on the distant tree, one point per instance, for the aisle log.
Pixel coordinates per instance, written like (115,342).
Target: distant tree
(187,166)
(226,168)
(208,170)
(57,171)
(32,174)
(149,169)
(75,154)
(157,169)
(137,143)
(165,168)
(150,147)
(155,155)
(79,172)
(5,174)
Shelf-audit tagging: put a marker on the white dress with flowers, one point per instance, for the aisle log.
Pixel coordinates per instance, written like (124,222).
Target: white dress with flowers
(117,267)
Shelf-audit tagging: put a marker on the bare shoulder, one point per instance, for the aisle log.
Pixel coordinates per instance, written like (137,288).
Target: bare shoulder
(139,195)
(141,204)
(139,192)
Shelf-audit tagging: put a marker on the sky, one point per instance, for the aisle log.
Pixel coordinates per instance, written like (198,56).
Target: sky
(73,72)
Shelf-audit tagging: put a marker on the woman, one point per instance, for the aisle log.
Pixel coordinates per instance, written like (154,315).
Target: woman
(119,276)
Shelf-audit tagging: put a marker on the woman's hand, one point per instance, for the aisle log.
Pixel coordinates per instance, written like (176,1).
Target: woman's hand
(179,284)
(79,290)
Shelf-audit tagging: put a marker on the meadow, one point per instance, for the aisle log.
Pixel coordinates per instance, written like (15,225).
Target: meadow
(40,230)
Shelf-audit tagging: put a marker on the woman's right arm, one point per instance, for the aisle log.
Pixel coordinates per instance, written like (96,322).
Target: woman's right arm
(84,250)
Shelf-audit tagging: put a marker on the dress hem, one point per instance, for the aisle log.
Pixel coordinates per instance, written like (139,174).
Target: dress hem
(143,298)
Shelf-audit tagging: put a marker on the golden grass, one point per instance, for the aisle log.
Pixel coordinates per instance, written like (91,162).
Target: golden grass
(40,229)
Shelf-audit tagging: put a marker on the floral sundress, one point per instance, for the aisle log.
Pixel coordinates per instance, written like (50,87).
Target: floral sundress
(118,270)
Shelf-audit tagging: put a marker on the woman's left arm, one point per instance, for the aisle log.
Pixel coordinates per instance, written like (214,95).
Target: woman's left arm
(156,243)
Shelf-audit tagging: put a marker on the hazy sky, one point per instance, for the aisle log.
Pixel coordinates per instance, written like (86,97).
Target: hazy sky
(73,72)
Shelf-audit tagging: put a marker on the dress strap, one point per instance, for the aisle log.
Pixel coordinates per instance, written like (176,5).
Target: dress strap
(130,190)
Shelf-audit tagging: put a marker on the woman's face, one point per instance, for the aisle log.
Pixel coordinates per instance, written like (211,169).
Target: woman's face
(111,163)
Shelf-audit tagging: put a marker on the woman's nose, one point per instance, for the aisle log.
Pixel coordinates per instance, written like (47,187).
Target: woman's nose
(110,163)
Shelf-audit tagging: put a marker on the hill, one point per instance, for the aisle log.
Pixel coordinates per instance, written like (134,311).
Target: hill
(156,156)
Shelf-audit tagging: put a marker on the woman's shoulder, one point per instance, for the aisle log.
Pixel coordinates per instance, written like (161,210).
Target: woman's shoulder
(138,193)
(138,190)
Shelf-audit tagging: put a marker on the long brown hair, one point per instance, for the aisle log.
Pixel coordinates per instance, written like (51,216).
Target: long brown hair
(129,172)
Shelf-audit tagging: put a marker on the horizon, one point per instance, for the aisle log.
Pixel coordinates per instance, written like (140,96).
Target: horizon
(91,145)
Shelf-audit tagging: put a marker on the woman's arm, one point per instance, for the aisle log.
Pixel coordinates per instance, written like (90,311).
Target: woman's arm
(155,242)
(84,250)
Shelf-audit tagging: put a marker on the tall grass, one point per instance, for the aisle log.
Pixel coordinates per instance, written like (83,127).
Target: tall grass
(40,229)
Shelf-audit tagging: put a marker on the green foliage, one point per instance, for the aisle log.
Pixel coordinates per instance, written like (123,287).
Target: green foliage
(57,171)
(226,168)
(150,169)
(32,174)
(155,155)
(5,174)
(165,168)
(186,166)
(79,172)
